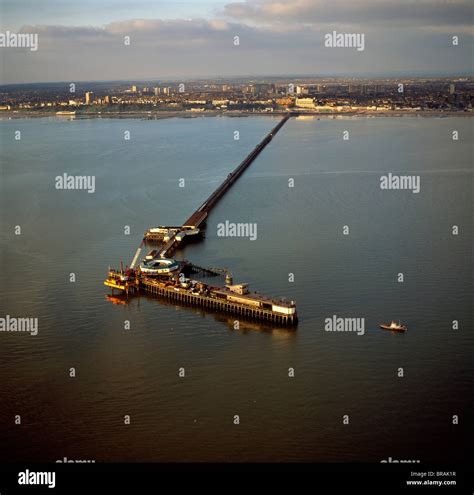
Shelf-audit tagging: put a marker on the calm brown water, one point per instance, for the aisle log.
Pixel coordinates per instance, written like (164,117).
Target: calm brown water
(239,372)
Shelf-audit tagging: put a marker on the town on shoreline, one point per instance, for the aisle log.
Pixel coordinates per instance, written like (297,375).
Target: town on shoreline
(8,115)
(241,97)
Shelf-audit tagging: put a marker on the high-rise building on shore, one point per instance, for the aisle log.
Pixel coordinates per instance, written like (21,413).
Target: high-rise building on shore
(89,97)
(302,90)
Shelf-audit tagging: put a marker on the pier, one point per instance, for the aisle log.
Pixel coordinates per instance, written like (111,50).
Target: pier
(198,218)
(164,277)
(229,299)
(214,303)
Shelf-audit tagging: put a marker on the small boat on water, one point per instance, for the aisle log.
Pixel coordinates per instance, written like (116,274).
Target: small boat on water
(393,326)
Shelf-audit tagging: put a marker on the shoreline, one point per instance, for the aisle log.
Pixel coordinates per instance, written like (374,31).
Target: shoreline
(10,115)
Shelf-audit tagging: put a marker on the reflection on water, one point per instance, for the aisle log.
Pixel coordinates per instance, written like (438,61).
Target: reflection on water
(117,299)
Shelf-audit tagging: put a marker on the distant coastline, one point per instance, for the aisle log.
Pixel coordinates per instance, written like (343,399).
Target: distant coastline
(19,114)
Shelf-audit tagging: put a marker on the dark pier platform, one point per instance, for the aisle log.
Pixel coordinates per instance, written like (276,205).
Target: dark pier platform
(234,299)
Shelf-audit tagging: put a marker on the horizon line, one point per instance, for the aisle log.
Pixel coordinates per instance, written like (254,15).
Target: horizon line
(255,76)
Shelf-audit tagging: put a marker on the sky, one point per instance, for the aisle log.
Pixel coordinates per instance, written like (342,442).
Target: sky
(172,39)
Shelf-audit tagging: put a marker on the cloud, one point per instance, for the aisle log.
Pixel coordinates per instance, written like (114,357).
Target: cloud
(155,28)
(186,48)
(176,34)
(399,13)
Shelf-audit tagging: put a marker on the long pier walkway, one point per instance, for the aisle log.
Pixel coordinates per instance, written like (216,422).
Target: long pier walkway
(197,219)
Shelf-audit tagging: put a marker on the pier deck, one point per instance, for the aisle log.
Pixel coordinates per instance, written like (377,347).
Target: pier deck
(184,296)
(198,218)
(244,304)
